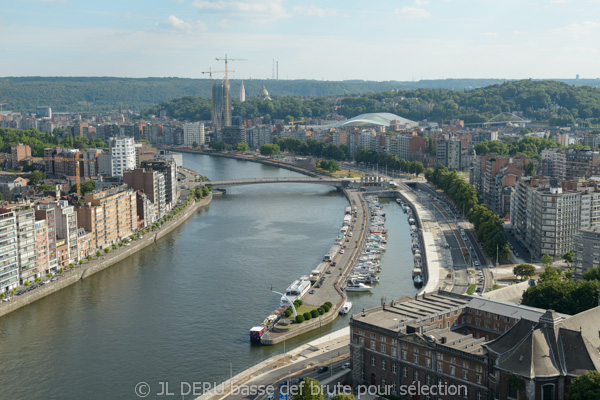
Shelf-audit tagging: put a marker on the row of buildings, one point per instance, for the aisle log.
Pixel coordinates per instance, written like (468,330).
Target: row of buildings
(483,348)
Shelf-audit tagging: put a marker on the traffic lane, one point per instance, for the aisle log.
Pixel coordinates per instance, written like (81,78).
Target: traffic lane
(295,370)
(518,249)
(487,276)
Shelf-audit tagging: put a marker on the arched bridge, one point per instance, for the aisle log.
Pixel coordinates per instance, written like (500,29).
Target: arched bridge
(253,181)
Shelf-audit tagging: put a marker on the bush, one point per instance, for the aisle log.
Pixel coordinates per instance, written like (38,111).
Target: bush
(80,262)
(321,310)
(49,275)
(106,250)
(26,283)
(61,270)
(89,258)
(114,246)
(325,307)
(38,279)
(287,313)
(120,244)
(299,302)
(2,295)
(328,304)
(98,254)
(299,319)
(307,316)
(314,313)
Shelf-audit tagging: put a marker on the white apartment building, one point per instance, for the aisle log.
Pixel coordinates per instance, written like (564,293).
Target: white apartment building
(122,155)
(193,133)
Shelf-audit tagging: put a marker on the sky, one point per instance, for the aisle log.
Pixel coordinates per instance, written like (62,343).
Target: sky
(377,40)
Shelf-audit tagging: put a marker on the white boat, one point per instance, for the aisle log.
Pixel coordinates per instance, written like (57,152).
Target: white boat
(358,287)
(418,281)
(346,307)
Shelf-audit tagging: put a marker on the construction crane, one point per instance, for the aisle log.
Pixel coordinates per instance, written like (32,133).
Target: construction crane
(292,122)
(75,160)
(210,72)
(226,59)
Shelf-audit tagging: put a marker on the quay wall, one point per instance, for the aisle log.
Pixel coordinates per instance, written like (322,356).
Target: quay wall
(87,269)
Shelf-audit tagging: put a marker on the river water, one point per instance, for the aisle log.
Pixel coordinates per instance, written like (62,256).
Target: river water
(180,310)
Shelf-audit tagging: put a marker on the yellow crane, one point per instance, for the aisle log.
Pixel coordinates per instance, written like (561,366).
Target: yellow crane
(75,160)
(292,122)
(227,59)
(210,72)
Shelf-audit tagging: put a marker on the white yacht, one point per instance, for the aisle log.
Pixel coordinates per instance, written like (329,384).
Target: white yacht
(357,287)
(346,307)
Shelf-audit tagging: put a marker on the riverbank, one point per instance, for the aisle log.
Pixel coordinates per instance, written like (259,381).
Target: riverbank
(89,268)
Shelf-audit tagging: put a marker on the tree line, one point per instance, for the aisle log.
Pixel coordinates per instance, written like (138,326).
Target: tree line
(487,224)
(390,161)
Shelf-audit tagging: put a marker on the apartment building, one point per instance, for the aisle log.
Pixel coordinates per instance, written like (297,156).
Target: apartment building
(122,155)
(405,146)
(473,344)
(152,183)
(41,246)
(554,163)
(193,133)
(45,211)
(66,227)
(449,153)
(168,169)
(587,251)
(9,263)
(25,220)
(110,214)
(582,163)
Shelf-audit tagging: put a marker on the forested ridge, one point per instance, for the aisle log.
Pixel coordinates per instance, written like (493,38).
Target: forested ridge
(93,94)
(558,102)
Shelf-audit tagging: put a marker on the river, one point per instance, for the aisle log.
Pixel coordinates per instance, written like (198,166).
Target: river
(180,310)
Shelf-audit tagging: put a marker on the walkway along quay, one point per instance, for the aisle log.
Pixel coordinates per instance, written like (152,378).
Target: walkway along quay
(88,268)
(332,275)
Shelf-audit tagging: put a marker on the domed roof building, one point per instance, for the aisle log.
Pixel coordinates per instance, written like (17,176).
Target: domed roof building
(264,94)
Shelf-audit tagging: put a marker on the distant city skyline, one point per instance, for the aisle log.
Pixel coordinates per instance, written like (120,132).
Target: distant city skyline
(322,40)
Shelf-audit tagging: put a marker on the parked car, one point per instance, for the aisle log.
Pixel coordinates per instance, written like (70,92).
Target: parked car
(312,291)
(346,365)
(323,368)
(476,263)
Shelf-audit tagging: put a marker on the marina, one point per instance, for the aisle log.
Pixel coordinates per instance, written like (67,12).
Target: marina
(417,272)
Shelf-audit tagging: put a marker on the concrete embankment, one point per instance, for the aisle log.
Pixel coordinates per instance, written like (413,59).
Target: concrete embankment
(89,268)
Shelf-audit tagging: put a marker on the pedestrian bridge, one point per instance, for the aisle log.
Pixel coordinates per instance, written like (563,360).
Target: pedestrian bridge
(253,181)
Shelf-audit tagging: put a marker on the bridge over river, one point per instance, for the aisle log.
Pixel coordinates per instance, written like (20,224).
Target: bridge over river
(253,181)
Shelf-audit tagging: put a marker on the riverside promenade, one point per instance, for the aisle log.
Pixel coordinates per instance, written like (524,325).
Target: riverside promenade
(88,268)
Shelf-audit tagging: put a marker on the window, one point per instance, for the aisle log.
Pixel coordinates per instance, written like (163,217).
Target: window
(382,348)
(394,352)
(453,360)
(452,370)
(383,365)
(383,381)
(440,356)
(394,367)
(512,392)
(404,372)
(440,366)
(416,375)
(361,341)
(479,396)
(416,349)
(548,392)
(478,379)
(428,379)
(394,387)
(465,374)
(372,345)
(428,362)
(404,355)
(372,361)
(373,336)
(416,358)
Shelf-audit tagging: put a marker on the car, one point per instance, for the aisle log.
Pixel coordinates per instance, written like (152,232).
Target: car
(478,268)
(47,281)
(312,291)
(333,264)
(54,279)
(346,365)
(41,284)
(20,292)
(478,290)
(344,246)
(476,263)
(328,271)
(34,287)
(270,397)
(342,251)
(516,254)
(323,368)
(318,285)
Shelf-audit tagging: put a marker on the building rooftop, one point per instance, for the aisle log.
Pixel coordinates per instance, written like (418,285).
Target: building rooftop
(508,309)
(375,119)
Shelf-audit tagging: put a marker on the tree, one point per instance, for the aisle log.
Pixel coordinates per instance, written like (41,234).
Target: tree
(45,186)
(269,149)
(309,389)
(524,271)
(530,171)
(195,144)
(547,261)
(585,387)
(592,273)
(568,257)
(218,146)
(86,187)
(343,396)
(299,319)
(241,146)
(36,176)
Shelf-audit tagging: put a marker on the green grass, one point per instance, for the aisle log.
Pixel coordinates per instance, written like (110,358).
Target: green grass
(471,289)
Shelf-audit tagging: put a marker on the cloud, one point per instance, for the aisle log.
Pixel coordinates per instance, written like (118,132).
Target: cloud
(176,24)
(421,2)
(491,34)
(314,11)
(412,12)
(578,30)
(261,11)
